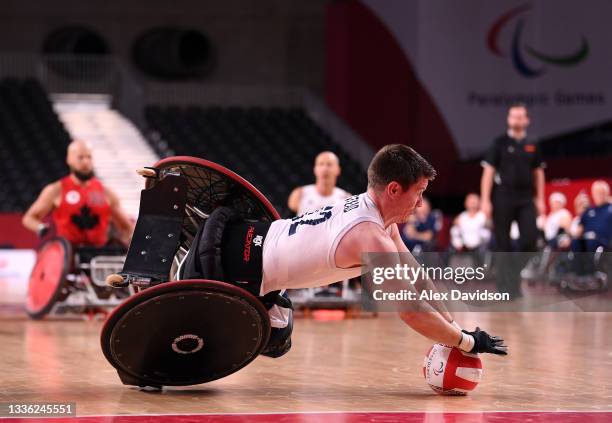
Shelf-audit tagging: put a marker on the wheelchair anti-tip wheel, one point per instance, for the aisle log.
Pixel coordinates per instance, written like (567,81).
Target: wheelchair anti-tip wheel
(48,277)
(184,333)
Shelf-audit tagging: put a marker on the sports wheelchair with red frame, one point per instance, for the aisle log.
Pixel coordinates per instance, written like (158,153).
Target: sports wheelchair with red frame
(72,280)
(177,332)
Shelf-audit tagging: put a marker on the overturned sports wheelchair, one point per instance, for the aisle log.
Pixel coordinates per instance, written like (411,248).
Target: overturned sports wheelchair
(195,262)
(72,280)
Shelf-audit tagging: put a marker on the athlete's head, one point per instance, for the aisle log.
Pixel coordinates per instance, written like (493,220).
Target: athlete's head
(398,176)
(600,191)
(327,168)
(472,202)
(79,160)
(581,203)
(518,118)
(556,201)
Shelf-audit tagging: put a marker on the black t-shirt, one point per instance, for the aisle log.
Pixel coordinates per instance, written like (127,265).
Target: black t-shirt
(514,162)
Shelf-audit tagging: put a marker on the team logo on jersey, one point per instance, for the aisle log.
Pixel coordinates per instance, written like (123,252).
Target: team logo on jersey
(258,240)
(96,198)
(73,197)
(85,219)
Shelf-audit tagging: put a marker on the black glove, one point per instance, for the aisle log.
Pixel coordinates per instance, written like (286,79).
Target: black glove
(485,343)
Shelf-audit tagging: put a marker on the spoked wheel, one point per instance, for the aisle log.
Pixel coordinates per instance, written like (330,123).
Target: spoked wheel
(48,277)
(211,186)
(184,333)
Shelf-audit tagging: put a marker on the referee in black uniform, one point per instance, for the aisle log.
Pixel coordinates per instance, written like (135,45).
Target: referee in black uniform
(512,189)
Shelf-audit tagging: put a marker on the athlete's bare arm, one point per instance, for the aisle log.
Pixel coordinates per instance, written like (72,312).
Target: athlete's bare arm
(370,237)
(123,224)
(422,284)
(294,199)
(47,200)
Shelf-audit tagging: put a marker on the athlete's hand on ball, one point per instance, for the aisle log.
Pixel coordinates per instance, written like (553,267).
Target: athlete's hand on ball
(485,343)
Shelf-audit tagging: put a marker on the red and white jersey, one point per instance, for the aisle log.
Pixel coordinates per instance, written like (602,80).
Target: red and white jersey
(311,200)
(300,252)
(83,213)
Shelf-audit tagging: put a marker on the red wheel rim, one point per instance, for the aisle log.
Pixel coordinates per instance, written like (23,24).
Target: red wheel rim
(47,277)
(211,186)
(267,209)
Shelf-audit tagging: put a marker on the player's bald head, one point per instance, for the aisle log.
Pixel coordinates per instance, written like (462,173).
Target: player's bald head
(327,167)
(78,147)
(79,159)
(600,191)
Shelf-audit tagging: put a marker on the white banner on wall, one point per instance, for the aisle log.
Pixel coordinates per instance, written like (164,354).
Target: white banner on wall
(474,57)
(15,268)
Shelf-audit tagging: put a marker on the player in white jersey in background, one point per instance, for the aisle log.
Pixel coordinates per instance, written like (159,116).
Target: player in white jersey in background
(557,223)
(324,191)
(469,231)
(311,197)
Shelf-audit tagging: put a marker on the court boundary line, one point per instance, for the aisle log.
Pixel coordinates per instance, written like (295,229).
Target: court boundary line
(342,412)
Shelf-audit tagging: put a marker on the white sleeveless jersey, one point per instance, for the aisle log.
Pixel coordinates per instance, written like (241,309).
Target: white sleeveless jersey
(311,199)
(472,229)
(300,252)
(552,223)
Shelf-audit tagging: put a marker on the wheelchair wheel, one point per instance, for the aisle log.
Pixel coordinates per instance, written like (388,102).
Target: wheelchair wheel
(184,333)
(48,277)
(211,186)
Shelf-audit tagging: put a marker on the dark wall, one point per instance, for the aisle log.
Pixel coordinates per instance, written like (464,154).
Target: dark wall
(263,42)
(374,88)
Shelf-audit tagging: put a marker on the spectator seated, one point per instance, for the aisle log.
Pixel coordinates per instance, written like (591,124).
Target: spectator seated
(419,233)
(556,225)
(469,233)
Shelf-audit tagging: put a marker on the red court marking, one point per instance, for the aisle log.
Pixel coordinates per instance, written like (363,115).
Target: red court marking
(327,315)
(497,417)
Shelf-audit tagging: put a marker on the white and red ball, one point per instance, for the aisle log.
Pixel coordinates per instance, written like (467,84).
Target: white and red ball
(450,371)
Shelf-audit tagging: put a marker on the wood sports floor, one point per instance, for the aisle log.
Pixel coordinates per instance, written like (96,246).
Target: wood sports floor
(557,361)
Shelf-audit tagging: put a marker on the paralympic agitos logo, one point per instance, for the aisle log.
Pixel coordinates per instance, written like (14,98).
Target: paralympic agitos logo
(519,50)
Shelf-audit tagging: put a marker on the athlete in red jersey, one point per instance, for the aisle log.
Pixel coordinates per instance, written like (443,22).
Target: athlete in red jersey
(82,207)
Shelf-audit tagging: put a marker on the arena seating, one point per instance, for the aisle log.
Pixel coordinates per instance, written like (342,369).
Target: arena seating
(273,148)
(32,143)
(595,141)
